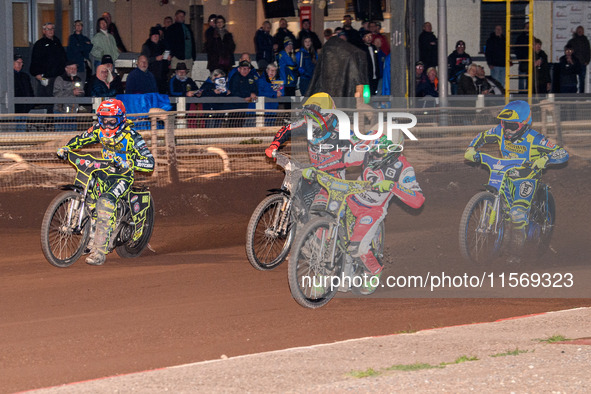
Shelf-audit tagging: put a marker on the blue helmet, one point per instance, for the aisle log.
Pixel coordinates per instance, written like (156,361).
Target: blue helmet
(515,119)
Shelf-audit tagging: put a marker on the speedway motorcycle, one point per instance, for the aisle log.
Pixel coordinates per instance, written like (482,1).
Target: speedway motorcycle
(68,223)
(485,227)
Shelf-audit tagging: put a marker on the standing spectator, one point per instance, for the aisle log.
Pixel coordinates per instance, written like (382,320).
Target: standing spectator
(340,33)
(522,54)
(140,80)
(103,43)
(180,41)
(48,60)
(180,84)
(306,59)
(364,27)
(495,54)
(101,87)
(112,29)
(305,33)
(220,51)
(541,69)
(244,86)
(288,68)
(209,31)
(328,33)
(68,84)
(281,34)
(167,22)
(456,64)
(79,47)
(270,86)
(582,51)
(373,63)
(467,81)
(263,43)
(153,49)
(428,46)
(353,36)
(22,85)
(379,40)
(566,71)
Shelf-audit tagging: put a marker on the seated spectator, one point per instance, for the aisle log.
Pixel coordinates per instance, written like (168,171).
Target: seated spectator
(140,80)
(487,84)
(180,84)
(433,79)
(101,87)
(114,78)
(245,56)
(153,49)
(22,85)
(214,86)
(306,59)
(423,86)
(68,84)
(270,86)
(244,86)
(467,81)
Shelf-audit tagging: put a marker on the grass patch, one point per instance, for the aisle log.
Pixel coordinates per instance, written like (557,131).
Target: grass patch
(510,353)
(251,141)
(408,367)
(461,359)
(364,374)
(412,367)
(553,339)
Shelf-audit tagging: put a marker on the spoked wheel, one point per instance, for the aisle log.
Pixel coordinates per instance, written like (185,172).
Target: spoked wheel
(61,242)
(377,247)
(267,241)
(312,264)
(133,248)
(478,241)
(542,216)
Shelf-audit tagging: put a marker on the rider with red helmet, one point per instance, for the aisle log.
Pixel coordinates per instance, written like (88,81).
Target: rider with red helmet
(128,150)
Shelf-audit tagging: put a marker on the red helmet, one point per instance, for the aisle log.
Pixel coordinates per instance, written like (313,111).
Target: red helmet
(111,117)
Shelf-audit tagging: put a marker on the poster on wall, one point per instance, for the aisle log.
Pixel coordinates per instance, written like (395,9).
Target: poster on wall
(567,16)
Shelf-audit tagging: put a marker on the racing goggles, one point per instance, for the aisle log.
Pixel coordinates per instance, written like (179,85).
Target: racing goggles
(109,122)
(511,127)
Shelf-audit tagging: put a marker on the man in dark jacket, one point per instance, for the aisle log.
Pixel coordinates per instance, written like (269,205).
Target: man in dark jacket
(263,43)
(495,54)
(428,46)
(353,36)
(180,41)
(307,33)
(153,49)
(279,37)
(48,61)
(582,52)
(541,69)
(79,47)
(457,62)
(244,86)
(22,85)
(373,64)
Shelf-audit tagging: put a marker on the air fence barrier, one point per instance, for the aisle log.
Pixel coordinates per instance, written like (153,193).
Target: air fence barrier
(196,145)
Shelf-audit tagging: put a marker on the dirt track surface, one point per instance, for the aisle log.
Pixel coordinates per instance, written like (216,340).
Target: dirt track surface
(197,298)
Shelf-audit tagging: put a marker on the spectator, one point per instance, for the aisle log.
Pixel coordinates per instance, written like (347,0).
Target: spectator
(288,68)
(140,80)
(306,59)
(328,33)
(263,43)
(180,84)
(244,86)
(423,86)
(112,29)
(180,41)
(467,81)
(103,43)
(487,85)
(214,86)
(114,78)
(210,31)
(433,79)
(101,87)
(456,64)
(167,22)
(22,85)
(245,56)
(522,54)
(305,33)
(379,40)
(281,34)
(541,69)
(373,63)
(495,54)
(582,51)
(48,60)
(340,33)
(153,49)
(353,36)
(68,84)
(566,71)
(220,51)
(270,86)
(428,46)
(79,47)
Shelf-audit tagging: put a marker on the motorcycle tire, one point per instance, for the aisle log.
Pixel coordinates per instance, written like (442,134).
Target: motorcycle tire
(131,248)
(542,217)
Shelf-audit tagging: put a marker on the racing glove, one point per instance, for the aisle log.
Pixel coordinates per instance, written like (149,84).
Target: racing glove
(122,164)
(308,173)
(540,163)
(62,152)
(272,148)
(472,155)
(383,186)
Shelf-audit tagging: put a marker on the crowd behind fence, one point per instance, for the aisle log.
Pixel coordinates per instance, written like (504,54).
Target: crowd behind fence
(192,146)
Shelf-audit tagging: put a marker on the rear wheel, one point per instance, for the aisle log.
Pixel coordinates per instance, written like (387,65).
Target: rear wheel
(133,248)
(61,241)
(312,266)
(478,241)
(542,216)
(267,245)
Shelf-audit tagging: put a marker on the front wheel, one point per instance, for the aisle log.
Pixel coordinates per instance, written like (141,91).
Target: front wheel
(312,265)
(269,234)
(131,248)
(62,241)
(481,239)
(542,216)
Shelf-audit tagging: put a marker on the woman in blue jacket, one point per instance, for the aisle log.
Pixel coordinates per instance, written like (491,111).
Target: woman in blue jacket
(306,59)
(270,86)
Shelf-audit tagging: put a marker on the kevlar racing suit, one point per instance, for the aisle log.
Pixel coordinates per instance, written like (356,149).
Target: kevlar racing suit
(533,147)
(114,183)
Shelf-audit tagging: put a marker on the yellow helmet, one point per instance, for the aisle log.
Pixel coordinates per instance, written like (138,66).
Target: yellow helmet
(322,100)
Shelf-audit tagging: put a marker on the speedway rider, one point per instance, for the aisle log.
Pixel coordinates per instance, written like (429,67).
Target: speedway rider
(129,152)
(516,139)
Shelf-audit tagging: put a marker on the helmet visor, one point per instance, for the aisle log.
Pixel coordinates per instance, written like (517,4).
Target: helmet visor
(109,122)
